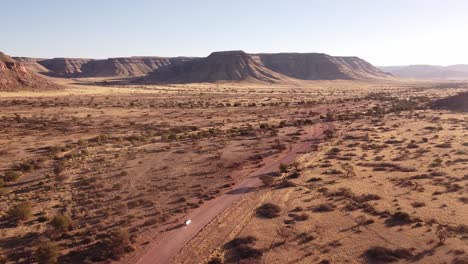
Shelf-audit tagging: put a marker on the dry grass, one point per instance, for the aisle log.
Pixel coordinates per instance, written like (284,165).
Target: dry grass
(87,160)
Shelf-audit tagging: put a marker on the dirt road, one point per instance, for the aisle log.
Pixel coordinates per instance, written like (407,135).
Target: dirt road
(171,242)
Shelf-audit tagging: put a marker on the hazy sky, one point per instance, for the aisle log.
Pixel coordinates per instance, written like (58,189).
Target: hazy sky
(383,32)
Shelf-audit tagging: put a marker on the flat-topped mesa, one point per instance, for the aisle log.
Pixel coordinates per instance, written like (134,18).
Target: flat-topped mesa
(273,68)
(227,54)
(221,66)
(14,76)
(320,66)
(217,67)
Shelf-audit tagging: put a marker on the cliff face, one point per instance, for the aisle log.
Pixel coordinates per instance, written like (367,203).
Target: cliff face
(64,67)
(112,67)
(124,67)
(319,66)
(15,76)
(359,69)
(218,66)
(280,67)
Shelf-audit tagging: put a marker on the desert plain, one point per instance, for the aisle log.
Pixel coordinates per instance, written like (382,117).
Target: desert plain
(302,171)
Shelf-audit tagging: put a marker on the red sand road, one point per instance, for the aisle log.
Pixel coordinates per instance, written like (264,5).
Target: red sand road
(168,244)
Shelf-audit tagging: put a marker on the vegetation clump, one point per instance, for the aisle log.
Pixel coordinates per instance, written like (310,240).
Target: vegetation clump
(118,243)
(21,212)
(268,210)
(61,223)
(240,241)
(47,253)
(325,207)
(283,168)
(11,176)
(382,254)
(241,248)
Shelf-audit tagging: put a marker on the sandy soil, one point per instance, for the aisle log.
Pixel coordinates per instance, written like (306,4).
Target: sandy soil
(397,182)
(143,158)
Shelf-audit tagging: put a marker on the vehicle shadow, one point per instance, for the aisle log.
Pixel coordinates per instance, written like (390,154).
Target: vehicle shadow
(175,227)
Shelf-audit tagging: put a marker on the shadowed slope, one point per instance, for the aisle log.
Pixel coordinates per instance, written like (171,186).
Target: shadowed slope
(319,66)
(112,67)
(457,103)
(218,66)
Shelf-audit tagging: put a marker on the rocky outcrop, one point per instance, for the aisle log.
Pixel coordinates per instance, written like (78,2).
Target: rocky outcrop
(15,76)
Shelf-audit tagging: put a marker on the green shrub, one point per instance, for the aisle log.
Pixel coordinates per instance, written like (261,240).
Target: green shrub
(61,223)
(401,217)
(11,176)
(383,255)
(264,126)
(325,207)
(283,168)
(241,248)
(240,241)
(215,260)
(268,210)
(21,212)
(118,241)
(248,252)
(47,253)
(267,180)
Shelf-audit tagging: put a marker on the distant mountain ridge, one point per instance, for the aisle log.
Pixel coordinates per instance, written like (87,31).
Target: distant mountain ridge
(274,67)
(111,67)
(218,66)
(459,71)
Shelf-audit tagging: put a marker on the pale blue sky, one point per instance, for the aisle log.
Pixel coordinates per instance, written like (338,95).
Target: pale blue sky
(384,32)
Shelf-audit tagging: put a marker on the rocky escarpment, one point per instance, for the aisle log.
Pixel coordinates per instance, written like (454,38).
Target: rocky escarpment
(319,66)
(223,66)
(218,66)
(63,67)
(15,76)
(279,67)
(112,67)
